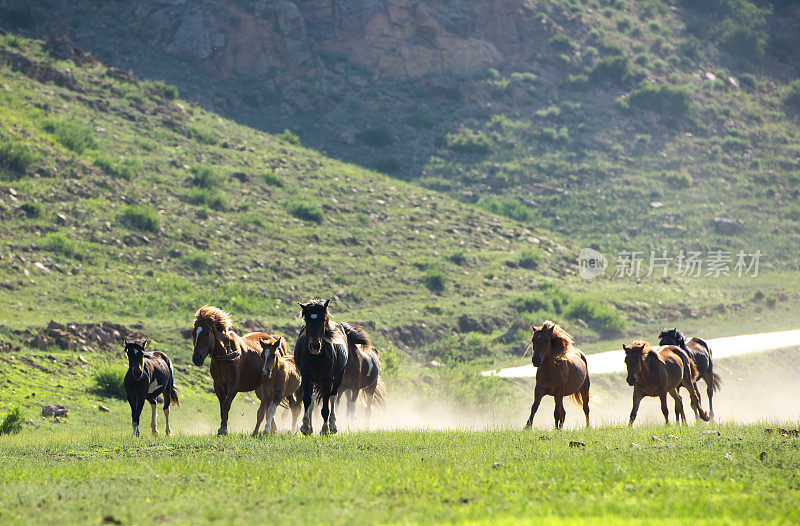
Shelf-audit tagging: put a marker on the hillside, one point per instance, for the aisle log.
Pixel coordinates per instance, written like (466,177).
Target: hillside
(627,124)
(123,204)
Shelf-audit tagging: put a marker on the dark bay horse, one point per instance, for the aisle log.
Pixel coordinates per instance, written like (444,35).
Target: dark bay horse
(281,384)
(321,353)
(700,353)
(362,375)
(561,371)
(236,361)
(149,375)
(658,372)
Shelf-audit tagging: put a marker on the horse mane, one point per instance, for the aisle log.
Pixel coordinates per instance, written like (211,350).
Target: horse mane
(356,334)
(218,317)
(561,341)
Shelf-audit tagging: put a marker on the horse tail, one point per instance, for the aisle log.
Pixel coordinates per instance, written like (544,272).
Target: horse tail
(716,382)
(703,343)
(577,397)
(173,395)
(356,335)
(379,397)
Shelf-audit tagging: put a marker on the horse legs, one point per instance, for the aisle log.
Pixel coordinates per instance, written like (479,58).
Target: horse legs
(538,394)
(167,400)
(262,409)
(637,399)
(559,413)
(694,397)
(270,428)
(136,410)
(369,395)
(679,414)
(296,406)
(352,396)
(709,380)
(585,397)
(225,401)
(665,409)
(308,405)
(327,406)
(153,426)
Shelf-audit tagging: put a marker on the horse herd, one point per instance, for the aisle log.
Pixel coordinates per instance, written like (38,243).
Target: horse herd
(332,360)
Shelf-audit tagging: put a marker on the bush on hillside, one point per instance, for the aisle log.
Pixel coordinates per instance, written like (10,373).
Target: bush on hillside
(140,217)
(202,134)
(668,100)
(376,137)
(17,157)
(599,316)
(204,176)
(60,244)
(307,210)
(612,70)
(791,99)
(12,423)
(287,136)
(108,381)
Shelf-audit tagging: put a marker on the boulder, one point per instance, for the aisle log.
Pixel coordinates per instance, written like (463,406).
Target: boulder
(55,410)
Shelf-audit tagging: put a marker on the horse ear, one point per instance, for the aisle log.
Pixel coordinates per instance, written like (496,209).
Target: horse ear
(326,303)
(144,345)
(534,328)
(625,348)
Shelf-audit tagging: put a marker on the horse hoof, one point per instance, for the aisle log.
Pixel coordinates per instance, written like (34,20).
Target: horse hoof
(325,430)
(222,431)
(333,429)
(306,429)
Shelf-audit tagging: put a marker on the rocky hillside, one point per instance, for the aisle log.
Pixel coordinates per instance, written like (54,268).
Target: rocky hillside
(624,124)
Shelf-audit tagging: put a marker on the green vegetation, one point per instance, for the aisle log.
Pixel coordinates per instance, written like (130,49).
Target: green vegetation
(667,100)
(73,134)
(140,218)
(206,177)
(12,423)
(108,381)
(289,137)
(307,210)
(16,158)
(202,133)
(376,137)
(60,244)
(500,476)
(123,168)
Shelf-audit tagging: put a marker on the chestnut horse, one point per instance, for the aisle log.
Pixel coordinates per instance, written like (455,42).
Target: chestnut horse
(658,372)
(562,371)
(281,385)
(236,361)
(700,353)
(321,354)
(362,376)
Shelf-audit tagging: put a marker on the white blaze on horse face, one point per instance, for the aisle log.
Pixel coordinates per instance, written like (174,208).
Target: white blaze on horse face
(313,316)
(197,333)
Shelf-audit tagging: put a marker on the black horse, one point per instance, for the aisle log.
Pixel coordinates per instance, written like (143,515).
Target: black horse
(149,375)
(700,353)
(321,355)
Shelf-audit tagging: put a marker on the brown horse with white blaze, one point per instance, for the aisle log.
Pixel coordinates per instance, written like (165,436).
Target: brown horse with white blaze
(660,371)
(561,371)
(236,361)
(281,383)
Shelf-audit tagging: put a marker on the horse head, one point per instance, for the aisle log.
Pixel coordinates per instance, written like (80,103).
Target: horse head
(633,358)
(672,337)
(540,341)
(315,315)
(135,353)
(271,351)
(210,325)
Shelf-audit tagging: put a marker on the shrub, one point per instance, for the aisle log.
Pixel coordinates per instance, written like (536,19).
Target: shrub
(109,379)
(508,207)
(32,210)
(599,316)
(665,99)
(168,91)
(389,165)
(202,134)
(421,118)
(307,210)
(458,257)
(791,100)
(204,176)
(529,259)
(749,81)
(122,169)
(680,180)
(207,197)
(72,134)
(17,157)
(140,217)
(376,137)
(434,279)
(199,260)
(468,140)
(287,136)
(12,423)
(273,179)
(60,244)
(614,70)
(530,303)
(561,42)
(557,297)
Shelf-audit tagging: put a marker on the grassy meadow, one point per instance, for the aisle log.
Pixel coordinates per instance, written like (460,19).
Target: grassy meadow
(722,475)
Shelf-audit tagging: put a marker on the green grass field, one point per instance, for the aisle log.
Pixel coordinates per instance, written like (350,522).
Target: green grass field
(686,474)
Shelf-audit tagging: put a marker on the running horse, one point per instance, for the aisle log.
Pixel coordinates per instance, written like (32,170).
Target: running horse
(321,354)
(561,371)
(362,375)
(149,375)
(236,361)
(700,353)
(660,371)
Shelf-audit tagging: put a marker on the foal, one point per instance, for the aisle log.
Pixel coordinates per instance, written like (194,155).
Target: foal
(149,375)
(658,372)
(362,374)
(561,371)
(281,381)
